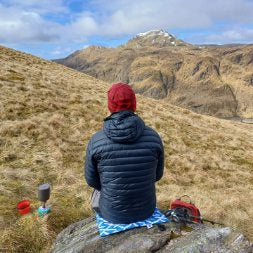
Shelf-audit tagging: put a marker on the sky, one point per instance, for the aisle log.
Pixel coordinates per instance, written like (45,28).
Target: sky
(53,29)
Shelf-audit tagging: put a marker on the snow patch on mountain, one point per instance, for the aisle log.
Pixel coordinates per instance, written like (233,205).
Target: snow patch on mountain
(154,33)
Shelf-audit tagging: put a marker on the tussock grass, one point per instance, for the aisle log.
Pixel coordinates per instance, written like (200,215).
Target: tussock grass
(46,122)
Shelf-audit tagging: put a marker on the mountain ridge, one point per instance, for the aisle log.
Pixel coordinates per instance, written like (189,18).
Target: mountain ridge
(181,73)
(156,38)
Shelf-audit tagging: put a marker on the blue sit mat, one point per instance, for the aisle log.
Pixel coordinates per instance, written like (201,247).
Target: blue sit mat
(106,228)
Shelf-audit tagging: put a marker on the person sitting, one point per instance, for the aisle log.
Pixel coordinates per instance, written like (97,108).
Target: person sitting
(124,160)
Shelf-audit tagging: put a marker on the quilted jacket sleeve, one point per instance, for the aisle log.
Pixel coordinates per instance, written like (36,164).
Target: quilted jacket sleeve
(160,165)
(90,170)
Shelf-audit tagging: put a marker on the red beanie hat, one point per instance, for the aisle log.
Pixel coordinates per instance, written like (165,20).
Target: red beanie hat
(121,97)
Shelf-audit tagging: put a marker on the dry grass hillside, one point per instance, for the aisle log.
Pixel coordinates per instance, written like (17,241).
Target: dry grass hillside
(48,112)
(213,80)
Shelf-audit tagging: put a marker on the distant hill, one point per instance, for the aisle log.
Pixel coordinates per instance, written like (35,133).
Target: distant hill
(48,114)
(208,79)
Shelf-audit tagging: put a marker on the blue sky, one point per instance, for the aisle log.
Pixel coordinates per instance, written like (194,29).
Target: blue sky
(55,28)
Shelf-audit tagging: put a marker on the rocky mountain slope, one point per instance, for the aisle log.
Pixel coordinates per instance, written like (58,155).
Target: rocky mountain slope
(213,80)
(48,112)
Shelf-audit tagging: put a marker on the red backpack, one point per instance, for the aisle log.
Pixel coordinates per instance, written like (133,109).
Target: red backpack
(192,210)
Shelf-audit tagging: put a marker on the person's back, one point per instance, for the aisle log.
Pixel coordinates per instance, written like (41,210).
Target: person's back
(124,160)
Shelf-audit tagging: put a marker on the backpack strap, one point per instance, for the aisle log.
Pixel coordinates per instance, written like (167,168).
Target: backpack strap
(189,198)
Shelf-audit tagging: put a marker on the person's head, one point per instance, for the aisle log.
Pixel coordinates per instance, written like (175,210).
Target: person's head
(121,97)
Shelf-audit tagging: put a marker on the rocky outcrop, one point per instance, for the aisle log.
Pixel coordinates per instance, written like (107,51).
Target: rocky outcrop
(83,237)
(247,121)
(158,65)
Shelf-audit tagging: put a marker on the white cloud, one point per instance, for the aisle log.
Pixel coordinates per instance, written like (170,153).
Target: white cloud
(26,20)
(85,25)
(134,16)
(236,35)
(38,6)
(56,52)
(61,50)
(19,26)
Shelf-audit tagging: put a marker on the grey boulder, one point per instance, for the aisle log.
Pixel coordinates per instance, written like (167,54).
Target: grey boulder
(83,236)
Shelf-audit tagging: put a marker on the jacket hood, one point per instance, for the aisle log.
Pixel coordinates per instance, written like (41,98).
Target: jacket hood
(123,127)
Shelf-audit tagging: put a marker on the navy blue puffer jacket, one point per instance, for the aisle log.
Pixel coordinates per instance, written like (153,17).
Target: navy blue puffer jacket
(123,161)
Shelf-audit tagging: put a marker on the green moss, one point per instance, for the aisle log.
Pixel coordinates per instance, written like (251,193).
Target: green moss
(29,234)
(8,207)
(67,210)
(17,188)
